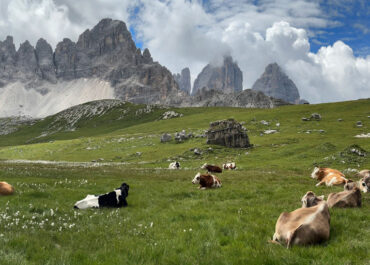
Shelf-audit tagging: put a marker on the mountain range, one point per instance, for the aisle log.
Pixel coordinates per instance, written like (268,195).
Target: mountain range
(105,63)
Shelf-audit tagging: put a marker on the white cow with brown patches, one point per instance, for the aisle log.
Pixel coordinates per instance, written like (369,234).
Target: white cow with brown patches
(206,181)
(304,226)
(328,176)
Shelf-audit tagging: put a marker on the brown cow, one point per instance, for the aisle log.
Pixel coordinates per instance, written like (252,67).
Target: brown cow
(6,188)
(350,197)
(364,173)
(231,166)
(211,168)
(304,226)
(206,181)
(363,184)
(328,176)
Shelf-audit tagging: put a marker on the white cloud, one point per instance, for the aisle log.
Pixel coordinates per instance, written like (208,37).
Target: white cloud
(184,33)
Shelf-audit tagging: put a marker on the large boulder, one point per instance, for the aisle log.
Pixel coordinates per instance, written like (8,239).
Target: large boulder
(228,133)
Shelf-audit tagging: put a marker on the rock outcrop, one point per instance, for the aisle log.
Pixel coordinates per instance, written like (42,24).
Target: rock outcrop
(183,80)
(227,78)
(245,99)
(228,133)
(275,83)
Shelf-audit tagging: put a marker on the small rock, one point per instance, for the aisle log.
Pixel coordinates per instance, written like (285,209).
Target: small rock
(315,116)
(265,122)
(278,124)
(166,138)
(100,160)
(305,119)
(359,124)
(321,131)
(270,131)
(171,114)
(197,151)
(340,119)
(138,153)
(308,131)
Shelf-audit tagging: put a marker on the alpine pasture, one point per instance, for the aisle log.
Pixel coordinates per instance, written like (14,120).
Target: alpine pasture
(168,220)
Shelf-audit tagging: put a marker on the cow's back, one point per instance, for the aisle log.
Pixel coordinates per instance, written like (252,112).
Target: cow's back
(351,198)
(6,188)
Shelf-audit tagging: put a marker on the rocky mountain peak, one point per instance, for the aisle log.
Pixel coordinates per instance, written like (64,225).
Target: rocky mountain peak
(228,77)
(147,56)
(26,59)
(44,55)
(183,80)
(275,83)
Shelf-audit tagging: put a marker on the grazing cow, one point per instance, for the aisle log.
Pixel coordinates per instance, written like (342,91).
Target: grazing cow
(229,166)
(350,197)
(206,181)
(174,165)
(363,184)
(6,188)
(364,173)
(116,198)
(328,176)
(304,226)
(211,168)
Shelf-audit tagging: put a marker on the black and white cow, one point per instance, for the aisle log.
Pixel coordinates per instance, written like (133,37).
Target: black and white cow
(116,198)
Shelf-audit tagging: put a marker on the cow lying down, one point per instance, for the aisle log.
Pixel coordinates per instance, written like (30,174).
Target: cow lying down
(206,181)
(6,188)
(328,176)
(116,198)
(304,226)
(350,197)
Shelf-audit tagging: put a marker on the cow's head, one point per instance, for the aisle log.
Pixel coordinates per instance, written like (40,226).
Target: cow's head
(177,164)
(124,190)
(315,172)
(364,184)
(310,199)
(196,179)
(204,166)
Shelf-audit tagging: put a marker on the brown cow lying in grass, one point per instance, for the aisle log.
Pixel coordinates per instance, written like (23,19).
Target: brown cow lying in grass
(6,188)
(206,181)
(304,226)
(328,176)
(211,168)
(350,197)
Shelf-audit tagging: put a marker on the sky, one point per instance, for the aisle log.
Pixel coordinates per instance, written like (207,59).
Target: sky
(322,45)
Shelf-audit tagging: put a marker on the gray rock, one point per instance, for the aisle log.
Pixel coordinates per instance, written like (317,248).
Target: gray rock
(228,133)
(181,136)
(166,138)
(44,55)
(270,131)
(183,80)
(197,151)
(315,116)
(305,119)
(340,120)
(26,61)
(359,124)
(227,78)
(275,83)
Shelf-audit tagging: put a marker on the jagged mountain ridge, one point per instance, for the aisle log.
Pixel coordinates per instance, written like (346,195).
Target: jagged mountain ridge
(106,52)
(228,77)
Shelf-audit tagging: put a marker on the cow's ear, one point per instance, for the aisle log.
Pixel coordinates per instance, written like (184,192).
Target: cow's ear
(321,197)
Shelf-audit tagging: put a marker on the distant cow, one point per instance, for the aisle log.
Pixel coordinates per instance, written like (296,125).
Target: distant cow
(328,176)
(116,198)
(206,181)
(211,168)
(350,197)
(174,165)
(229,166)
(304,226)
(6,188)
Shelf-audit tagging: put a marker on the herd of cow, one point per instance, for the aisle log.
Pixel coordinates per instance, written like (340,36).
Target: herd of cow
(309,224)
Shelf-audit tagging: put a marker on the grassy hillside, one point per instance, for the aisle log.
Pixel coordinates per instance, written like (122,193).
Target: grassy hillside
(168,220)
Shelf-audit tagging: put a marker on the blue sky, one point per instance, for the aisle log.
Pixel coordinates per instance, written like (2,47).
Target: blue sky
(352,26)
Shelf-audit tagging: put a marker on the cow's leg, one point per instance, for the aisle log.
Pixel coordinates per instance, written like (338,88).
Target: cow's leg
(320,183)
(124,202)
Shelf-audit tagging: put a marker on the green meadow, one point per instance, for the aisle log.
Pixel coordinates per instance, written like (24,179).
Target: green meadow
(168,220)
